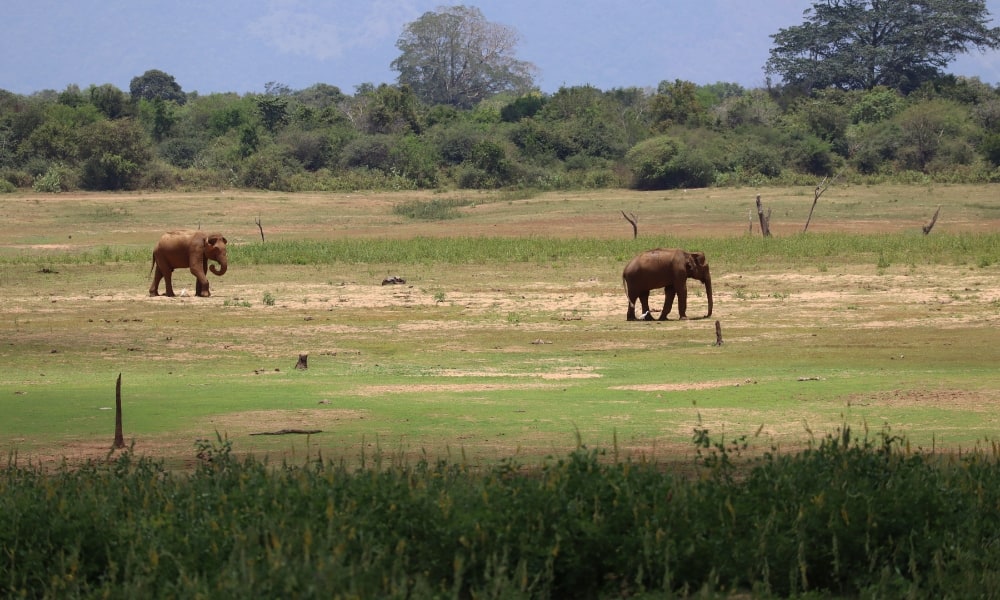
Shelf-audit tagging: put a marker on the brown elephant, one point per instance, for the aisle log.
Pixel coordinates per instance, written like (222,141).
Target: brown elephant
(191,249)
(668,269)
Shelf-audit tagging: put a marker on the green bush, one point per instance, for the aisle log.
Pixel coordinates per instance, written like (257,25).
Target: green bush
(57,178)
(649,162)
(990,148)
(266,170)
(665,163)
(847,517)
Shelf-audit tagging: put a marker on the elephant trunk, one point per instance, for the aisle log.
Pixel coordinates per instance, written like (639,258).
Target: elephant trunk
(708,292)
(223,264)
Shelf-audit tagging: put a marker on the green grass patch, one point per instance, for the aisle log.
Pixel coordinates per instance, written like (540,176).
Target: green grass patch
(436,209)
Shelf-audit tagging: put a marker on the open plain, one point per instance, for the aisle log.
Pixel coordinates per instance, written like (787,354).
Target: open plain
(508,337)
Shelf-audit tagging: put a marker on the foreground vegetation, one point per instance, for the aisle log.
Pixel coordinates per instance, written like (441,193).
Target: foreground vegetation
(849,516)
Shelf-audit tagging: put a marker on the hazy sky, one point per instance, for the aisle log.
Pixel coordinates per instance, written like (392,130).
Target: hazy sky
(240,45)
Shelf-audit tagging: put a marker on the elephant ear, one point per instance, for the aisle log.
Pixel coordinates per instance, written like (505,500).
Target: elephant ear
(695,263)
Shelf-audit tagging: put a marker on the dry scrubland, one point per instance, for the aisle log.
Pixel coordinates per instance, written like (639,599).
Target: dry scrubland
(485,359)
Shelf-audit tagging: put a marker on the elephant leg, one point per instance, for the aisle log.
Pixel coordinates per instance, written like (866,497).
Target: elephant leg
(668,302)
(201,284)
(200,287)
(168,283)
(682,301)
(154,288)
(644,300)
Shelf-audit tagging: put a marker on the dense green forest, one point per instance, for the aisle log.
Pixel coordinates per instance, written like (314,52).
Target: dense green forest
(865,96)
(383,137)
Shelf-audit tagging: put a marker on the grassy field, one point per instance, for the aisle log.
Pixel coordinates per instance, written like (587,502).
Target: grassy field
(508,337)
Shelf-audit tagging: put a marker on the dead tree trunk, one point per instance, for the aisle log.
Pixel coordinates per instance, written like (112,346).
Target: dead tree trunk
(765,225)
(927,228)
(816,194)
(261,228)
(634,221)
(718,333)
(303,362)
(119,436)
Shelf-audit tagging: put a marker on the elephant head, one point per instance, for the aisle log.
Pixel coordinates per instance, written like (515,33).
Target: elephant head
(215,249)
(697,268)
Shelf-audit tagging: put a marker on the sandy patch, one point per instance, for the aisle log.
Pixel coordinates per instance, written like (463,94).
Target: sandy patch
(415,388)
(568,373)
(678,387)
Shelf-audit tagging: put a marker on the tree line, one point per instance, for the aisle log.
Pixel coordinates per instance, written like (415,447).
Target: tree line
(382,137)
(863,97)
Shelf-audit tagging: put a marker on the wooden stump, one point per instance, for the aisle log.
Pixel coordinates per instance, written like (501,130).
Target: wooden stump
(765,220)
(119,436)
(303,362)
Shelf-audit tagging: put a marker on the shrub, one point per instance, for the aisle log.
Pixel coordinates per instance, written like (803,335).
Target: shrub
(649,162)
(664,163)
(990,148)
(812,155)
(265,170)
(751,158)
(369,152)
(415,159)
(158,175)
(57,178)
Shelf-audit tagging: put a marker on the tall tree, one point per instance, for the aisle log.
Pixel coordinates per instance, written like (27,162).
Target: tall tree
(155,84)
(861,44)
(457,57)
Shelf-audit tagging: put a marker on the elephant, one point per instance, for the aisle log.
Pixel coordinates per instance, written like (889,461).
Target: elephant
(191,249)
(670,269)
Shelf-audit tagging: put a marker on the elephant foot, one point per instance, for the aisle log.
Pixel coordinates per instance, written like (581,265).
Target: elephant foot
(205,294)
(153,294)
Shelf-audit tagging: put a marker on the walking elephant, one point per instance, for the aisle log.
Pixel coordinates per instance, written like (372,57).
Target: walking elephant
(668,269)
(188,249)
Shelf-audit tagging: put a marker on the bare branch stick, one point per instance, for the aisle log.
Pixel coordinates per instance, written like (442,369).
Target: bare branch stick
(257,221)
(634,220)
(927,228)
(822,187)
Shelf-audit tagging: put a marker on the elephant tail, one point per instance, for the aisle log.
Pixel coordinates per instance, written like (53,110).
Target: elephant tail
(631,303)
